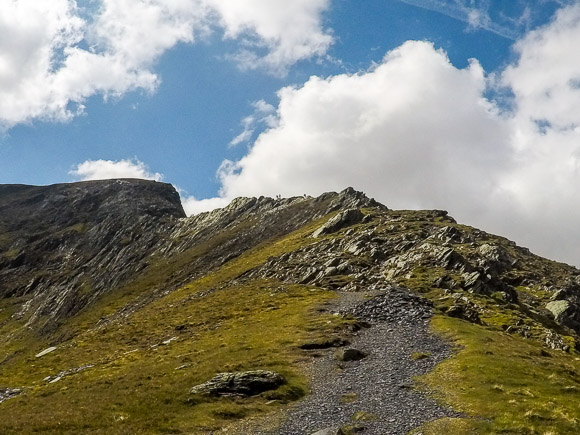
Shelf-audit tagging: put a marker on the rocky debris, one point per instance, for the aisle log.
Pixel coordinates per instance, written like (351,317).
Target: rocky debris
(9,393)
(64,373)
(555,341)
(346,430)
(350,354)
(395,305)
(343,219)
(374,381)
(329,431)
(247,383)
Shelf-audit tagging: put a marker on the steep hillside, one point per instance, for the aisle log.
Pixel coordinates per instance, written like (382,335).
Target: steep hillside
(304,314)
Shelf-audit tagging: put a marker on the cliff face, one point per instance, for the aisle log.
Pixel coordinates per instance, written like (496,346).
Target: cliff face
(63,246)
(107,291)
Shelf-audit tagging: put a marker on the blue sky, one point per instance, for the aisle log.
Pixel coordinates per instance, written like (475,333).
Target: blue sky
(329,93)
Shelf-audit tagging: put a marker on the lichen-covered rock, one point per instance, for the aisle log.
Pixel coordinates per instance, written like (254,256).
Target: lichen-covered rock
(247,383)
(558,309)
(343,219)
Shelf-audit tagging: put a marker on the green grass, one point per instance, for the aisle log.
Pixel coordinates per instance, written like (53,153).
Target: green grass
(138,384)
(417,356)
(505,382)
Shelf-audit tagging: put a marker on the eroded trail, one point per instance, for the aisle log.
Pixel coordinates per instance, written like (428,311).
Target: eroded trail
(375,393)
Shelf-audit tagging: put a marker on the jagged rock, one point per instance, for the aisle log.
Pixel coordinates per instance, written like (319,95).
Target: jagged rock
(555,341)
(91,236)
(559,295)
(247,383)
(451,259)
(559,309)
(565,313)
(9,393)
(341,220)
(451,234)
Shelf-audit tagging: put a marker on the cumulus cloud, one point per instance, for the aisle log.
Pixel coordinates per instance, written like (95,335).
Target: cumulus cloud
(54,55)
(412,127)
(264,115)
(416,132)
(106,169)
(192,206)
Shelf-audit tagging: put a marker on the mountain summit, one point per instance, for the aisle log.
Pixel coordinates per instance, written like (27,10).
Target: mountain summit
(120,314)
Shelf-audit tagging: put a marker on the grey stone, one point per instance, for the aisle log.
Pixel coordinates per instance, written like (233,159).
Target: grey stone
(341,220)
(247,383)
(349,355)
(558,309)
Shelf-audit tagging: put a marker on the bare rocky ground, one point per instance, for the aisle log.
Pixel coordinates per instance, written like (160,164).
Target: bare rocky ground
(374,395)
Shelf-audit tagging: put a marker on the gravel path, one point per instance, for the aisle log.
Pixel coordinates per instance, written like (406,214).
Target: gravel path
(379,385)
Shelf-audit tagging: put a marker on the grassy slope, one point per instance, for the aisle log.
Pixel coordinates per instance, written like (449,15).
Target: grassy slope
(507,383)
(504,383)
(214,326)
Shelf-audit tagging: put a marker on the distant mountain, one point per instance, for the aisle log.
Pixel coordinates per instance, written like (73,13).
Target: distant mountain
(305,315)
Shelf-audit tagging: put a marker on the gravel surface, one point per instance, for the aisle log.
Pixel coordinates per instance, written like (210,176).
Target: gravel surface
(379,385)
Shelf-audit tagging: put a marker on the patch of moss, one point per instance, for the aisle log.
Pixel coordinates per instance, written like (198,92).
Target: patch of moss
(416,356)
(364,416)
(348,398)
(150,374)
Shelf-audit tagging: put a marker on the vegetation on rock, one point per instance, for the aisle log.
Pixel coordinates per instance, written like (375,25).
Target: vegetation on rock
(139,304)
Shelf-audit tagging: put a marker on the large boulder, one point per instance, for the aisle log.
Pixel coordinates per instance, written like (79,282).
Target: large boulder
(559,309)
(247,383)
(343,219)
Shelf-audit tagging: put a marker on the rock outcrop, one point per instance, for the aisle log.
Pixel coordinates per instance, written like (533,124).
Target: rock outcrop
(64,246)
(108,282)
(247,383)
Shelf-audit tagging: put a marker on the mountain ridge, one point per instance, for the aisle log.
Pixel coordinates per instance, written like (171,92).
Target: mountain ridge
(141,300)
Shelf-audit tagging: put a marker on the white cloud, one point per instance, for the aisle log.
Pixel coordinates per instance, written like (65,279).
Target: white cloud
(264,114)
(52,60)
(390,131)
(192,206)
(289,30)
(416,132)
(106,169)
